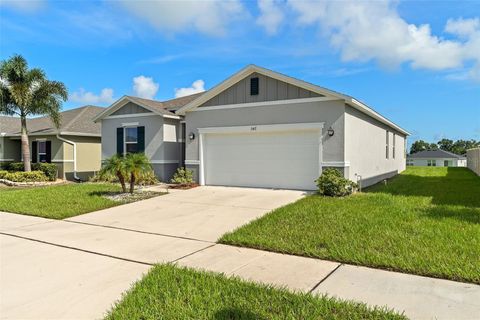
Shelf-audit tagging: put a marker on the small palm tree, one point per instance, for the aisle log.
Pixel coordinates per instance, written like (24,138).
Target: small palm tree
(115,166)
(137,165)
(25,92)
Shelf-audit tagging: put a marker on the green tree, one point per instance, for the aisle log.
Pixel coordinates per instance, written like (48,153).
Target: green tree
(115,166)
(136,165)
(460,147)
(27,92)
(421,145)
(446,144)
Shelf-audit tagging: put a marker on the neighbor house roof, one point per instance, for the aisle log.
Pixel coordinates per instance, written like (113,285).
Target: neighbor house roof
(432,154)
(164,108)
(299,83)
(77,121)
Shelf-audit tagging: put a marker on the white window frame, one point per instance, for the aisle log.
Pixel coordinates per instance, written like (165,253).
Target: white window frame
(393,146)
(125,142)
(431,163)
(387,144)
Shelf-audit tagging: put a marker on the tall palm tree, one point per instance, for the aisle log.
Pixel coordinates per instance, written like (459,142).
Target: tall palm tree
(115,166)
(27,92)
(137,165)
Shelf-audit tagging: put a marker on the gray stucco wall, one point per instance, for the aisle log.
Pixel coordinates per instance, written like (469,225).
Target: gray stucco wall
(9,149)
(269,90)
(329,112)
(158,150)
(365,148)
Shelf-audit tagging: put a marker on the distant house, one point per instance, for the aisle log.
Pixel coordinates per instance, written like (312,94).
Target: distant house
(436,158)
(75,147)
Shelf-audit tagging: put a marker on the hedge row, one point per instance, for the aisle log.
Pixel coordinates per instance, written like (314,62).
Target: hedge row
(49,169)
(21,176)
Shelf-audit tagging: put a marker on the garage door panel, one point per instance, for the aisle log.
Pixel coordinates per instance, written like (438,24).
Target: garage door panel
(275,160)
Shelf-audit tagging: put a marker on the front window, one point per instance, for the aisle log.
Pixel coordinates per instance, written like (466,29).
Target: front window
(42,151)
(432,163)
(131,140)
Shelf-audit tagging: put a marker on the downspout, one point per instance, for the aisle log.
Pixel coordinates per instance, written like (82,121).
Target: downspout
(74,155)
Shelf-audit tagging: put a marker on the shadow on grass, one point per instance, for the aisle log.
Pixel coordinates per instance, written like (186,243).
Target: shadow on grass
(469,215)
(236,314)
(459,187)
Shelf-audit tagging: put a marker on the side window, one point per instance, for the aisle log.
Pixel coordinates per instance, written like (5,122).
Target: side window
(393,146)
(387,144)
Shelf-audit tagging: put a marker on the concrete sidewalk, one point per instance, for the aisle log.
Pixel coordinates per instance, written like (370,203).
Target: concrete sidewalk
(82,269)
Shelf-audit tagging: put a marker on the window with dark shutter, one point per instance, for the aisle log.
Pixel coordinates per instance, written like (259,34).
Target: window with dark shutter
(34,154)
(140,139)
(48,151)
(120,141)
(254,86)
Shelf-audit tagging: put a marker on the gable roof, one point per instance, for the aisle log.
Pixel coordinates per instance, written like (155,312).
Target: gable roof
(248,70)
(74,122)
(432,154)
(162,108)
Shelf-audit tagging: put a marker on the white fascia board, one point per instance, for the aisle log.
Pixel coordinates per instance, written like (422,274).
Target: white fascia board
(264,128)
(265,103)
(69,133)
(171,117)
(120,103)
(370,112)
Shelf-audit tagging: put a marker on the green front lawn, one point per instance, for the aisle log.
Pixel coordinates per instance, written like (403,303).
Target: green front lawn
(425,221)
(169,292)
(58,202)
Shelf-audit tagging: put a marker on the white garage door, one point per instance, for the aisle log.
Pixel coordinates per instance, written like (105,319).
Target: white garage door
(287,160)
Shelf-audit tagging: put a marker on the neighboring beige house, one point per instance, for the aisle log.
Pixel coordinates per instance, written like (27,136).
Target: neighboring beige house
(436,158)
(258,128)
(75,147)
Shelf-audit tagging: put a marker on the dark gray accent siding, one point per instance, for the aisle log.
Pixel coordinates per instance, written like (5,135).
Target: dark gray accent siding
(130,108)
(269,90)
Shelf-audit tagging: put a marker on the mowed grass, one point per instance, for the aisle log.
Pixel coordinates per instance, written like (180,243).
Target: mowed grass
(425,221)
(58,202)
(169,292)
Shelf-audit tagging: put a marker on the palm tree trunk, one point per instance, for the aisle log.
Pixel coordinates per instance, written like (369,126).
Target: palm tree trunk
(132,182)
(121,178)
(25,145)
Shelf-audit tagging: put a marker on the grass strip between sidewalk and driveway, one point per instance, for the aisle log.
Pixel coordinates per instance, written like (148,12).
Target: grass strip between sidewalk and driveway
(60,201)
(170,292)
(424,221)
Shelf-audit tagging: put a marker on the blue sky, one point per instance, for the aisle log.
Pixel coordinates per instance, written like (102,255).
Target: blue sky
(416,62)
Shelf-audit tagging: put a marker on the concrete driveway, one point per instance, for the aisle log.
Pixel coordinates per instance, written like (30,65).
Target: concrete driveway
(203,213)
(77,268)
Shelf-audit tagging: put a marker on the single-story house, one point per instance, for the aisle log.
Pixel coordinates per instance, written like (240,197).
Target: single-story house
(75,147)
(258,128)
(436,158)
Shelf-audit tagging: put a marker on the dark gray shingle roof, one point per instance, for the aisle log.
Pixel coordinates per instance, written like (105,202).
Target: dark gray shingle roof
(165,107)
(77,120)
(432,154)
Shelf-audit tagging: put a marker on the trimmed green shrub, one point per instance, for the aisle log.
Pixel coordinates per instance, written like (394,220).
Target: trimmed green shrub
(3,173)
(183,176)
(49,169)
(21,176)
(332,183)
(16,166)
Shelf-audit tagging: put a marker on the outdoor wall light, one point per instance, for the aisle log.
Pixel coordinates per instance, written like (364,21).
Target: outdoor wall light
(331,132)
(191,136)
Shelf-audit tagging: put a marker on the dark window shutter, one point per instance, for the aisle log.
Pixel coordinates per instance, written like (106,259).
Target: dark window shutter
(141,139)
(34,155)
(254,86)
(120,141)
(48,150)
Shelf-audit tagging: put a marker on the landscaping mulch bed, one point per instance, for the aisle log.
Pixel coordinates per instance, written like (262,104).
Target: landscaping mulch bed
(131,197)
(183,186)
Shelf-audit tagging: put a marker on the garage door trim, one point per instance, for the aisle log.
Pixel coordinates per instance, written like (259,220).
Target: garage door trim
(315,126)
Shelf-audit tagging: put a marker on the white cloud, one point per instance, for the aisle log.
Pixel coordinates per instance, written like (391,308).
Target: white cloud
(373,30)
(271,15)
(197,86)
(145,87)
(463,27)
(24,5)
(170,16)
(87,97)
